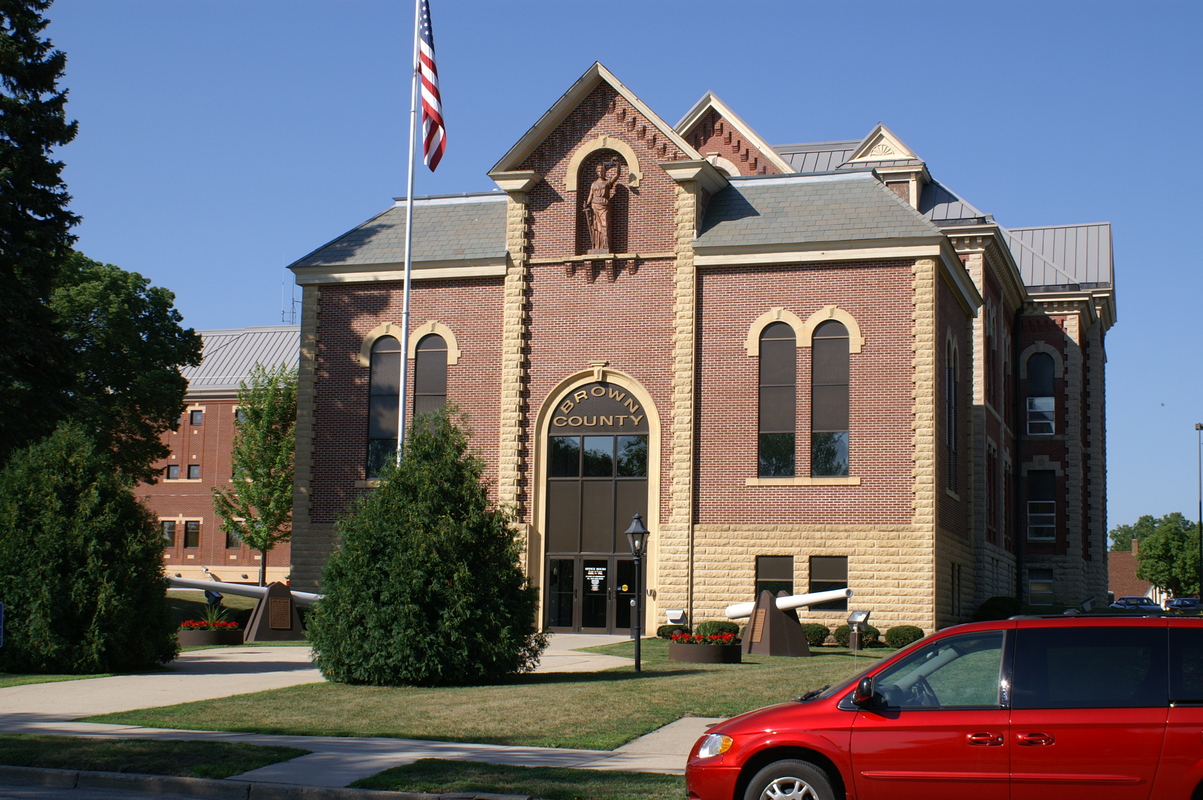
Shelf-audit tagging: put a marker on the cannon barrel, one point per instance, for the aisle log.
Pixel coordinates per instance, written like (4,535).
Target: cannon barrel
(742,610)
(300,598)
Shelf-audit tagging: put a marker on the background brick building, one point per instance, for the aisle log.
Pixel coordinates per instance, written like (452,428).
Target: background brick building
(200,458)
(807,367)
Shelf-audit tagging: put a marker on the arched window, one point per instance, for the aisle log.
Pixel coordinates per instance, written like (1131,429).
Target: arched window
(951,407)
(383,403)
(829,400)
(430,374)
(1041,404)
(778,389)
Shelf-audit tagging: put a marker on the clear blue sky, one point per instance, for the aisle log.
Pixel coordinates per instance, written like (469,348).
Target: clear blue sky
(221,140)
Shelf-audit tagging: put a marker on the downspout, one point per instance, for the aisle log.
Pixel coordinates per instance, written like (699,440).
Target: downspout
(1021,525)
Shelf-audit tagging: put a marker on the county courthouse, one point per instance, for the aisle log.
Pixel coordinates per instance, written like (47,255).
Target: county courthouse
(806,366)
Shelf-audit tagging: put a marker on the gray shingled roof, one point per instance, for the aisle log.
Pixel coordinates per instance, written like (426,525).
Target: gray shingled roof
(759,212)
(460,228)
(940,204)
(229,355)
(1064,255)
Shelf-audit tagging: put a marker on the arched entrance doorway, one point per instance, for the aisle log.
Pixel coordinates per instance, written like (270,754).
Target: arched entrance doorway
(599,460)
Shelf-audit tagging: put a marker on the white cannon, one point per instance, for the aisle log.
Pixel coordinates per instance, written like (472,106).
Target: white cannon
(300,598)
(744,610)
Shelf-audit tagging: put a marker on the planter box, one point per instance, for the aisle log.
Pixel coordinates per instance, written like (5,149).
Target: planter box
(705,653)
(208,638)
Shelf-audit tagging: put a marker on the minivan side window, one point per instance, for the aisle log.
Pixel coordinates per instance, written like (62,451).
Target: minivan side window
(958,672)
(1095,667)
(1186,666)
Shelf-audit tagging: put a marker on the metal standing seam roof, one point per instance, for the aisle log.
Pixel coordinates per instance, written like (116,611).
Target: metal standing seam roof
(940,204)
(759,212)
(1064,255)
(229,355)
(815,157)
(445,229)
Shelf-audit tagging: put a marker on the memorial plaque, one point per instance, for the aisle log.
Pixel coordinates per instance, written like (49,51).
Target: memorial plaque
(280,613)
(758,625)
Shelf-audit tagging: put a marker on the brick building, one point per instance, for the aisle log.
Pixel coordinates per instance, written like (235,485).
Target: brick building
(200,458)
(807,366)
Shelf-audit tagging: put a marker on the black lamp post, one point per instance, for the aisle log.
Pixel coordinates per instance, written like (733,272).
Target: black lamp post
(637,536)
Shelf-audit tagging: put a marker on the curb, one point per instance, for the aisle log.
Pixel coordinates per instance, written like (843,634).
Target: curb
(214,789)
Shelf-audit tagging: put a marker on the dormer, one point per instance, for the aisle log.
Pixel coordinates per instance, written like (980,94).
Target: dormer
(900,169)
(727,142)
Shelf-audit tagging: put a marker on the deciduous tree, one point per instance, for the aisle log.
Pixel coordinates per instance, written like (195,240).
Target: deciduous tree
(258,505)
(1169,557)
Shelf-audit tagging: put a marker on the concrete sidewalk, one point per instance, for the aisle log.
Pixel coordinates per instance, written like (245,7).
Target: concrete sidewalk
(334,761)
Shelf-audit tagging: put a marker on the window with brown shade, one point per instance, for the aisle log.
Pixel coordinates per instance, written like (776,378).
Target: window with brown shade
(778,389)
(192,533)
(430,374)
(383,403)
(829,401)
(774,574)
(828,573)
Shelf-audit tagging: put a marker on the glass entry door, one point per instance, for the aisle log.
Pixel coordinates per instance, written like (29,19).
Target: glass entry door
(590,594)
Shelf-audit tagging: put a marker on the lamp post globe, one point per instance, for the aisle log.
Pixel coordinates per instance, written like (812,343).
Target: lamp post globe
(637,538)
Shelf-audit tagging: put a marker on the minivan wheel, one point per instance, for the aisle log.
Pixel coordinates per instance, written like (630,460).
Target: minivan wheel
(790,780)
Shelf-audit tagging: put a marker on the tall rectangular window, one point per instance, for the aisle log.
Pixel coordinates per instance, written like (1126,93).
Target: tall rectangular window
(774,574)
(1042,504)
(168,526)
(829,400)
(828,573)
(430,374)
(951,427)
(192,533)
(1041,405)
(384,398)
(778,389)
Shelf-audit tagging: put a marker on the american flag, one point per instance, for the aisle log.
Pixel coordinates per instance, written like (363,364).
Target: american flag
(434,135)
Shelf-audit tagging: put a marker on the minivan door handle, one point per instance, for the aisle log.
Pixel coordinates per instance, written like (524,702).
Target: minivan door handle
(1035,739)
(985,739)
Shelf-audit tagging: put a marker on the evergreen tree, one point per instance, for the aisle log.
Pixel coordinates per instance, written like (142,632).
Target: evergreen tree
(426,587)
(81,570)
(257,508)
(35,225)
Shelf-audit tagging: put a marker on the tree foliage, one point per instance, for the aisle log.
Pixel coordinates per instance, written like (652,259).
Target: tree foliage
(1169,557)
(35,225)
(1122,535)
(81,570)
(426,587)
(127,347)
(258,505)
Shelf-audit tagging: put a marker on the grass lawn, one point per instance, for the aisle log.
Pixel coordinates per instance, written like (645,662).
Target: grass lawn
(152,757)
(436,775)
(598,711)
(13,679)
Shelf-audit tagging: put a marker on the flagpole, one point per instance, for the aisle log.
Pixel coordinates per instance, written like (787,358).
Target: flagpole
(409,235)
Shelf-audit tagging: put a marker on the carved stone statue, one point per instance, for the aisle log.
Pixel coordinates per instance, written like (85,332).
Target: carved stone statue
(597,207)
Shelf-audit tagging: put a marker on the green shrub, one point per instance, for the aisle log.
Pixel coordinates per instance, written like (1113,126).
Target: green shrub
(869,635)
(902,635)
(81,564)
(816,634)
(997,608)
(712,627)
(667,631)
(425,587)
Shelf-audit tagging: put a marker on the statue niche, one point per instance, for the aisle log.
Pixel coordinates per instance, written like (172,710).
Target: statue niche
(602,204)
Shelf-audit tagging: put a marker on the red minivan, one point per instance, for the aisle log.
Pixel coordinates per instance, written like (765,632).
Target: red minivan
(1029,708)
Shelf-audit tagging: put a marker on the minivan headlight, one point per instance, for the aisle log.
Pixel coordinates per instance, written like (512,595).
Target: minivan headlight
(714,744)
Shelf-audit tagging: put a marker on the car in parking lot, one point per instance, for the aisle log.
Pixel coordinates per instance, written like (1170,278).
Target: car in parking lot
(1135,603)
(1096,707)
(1183,604)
